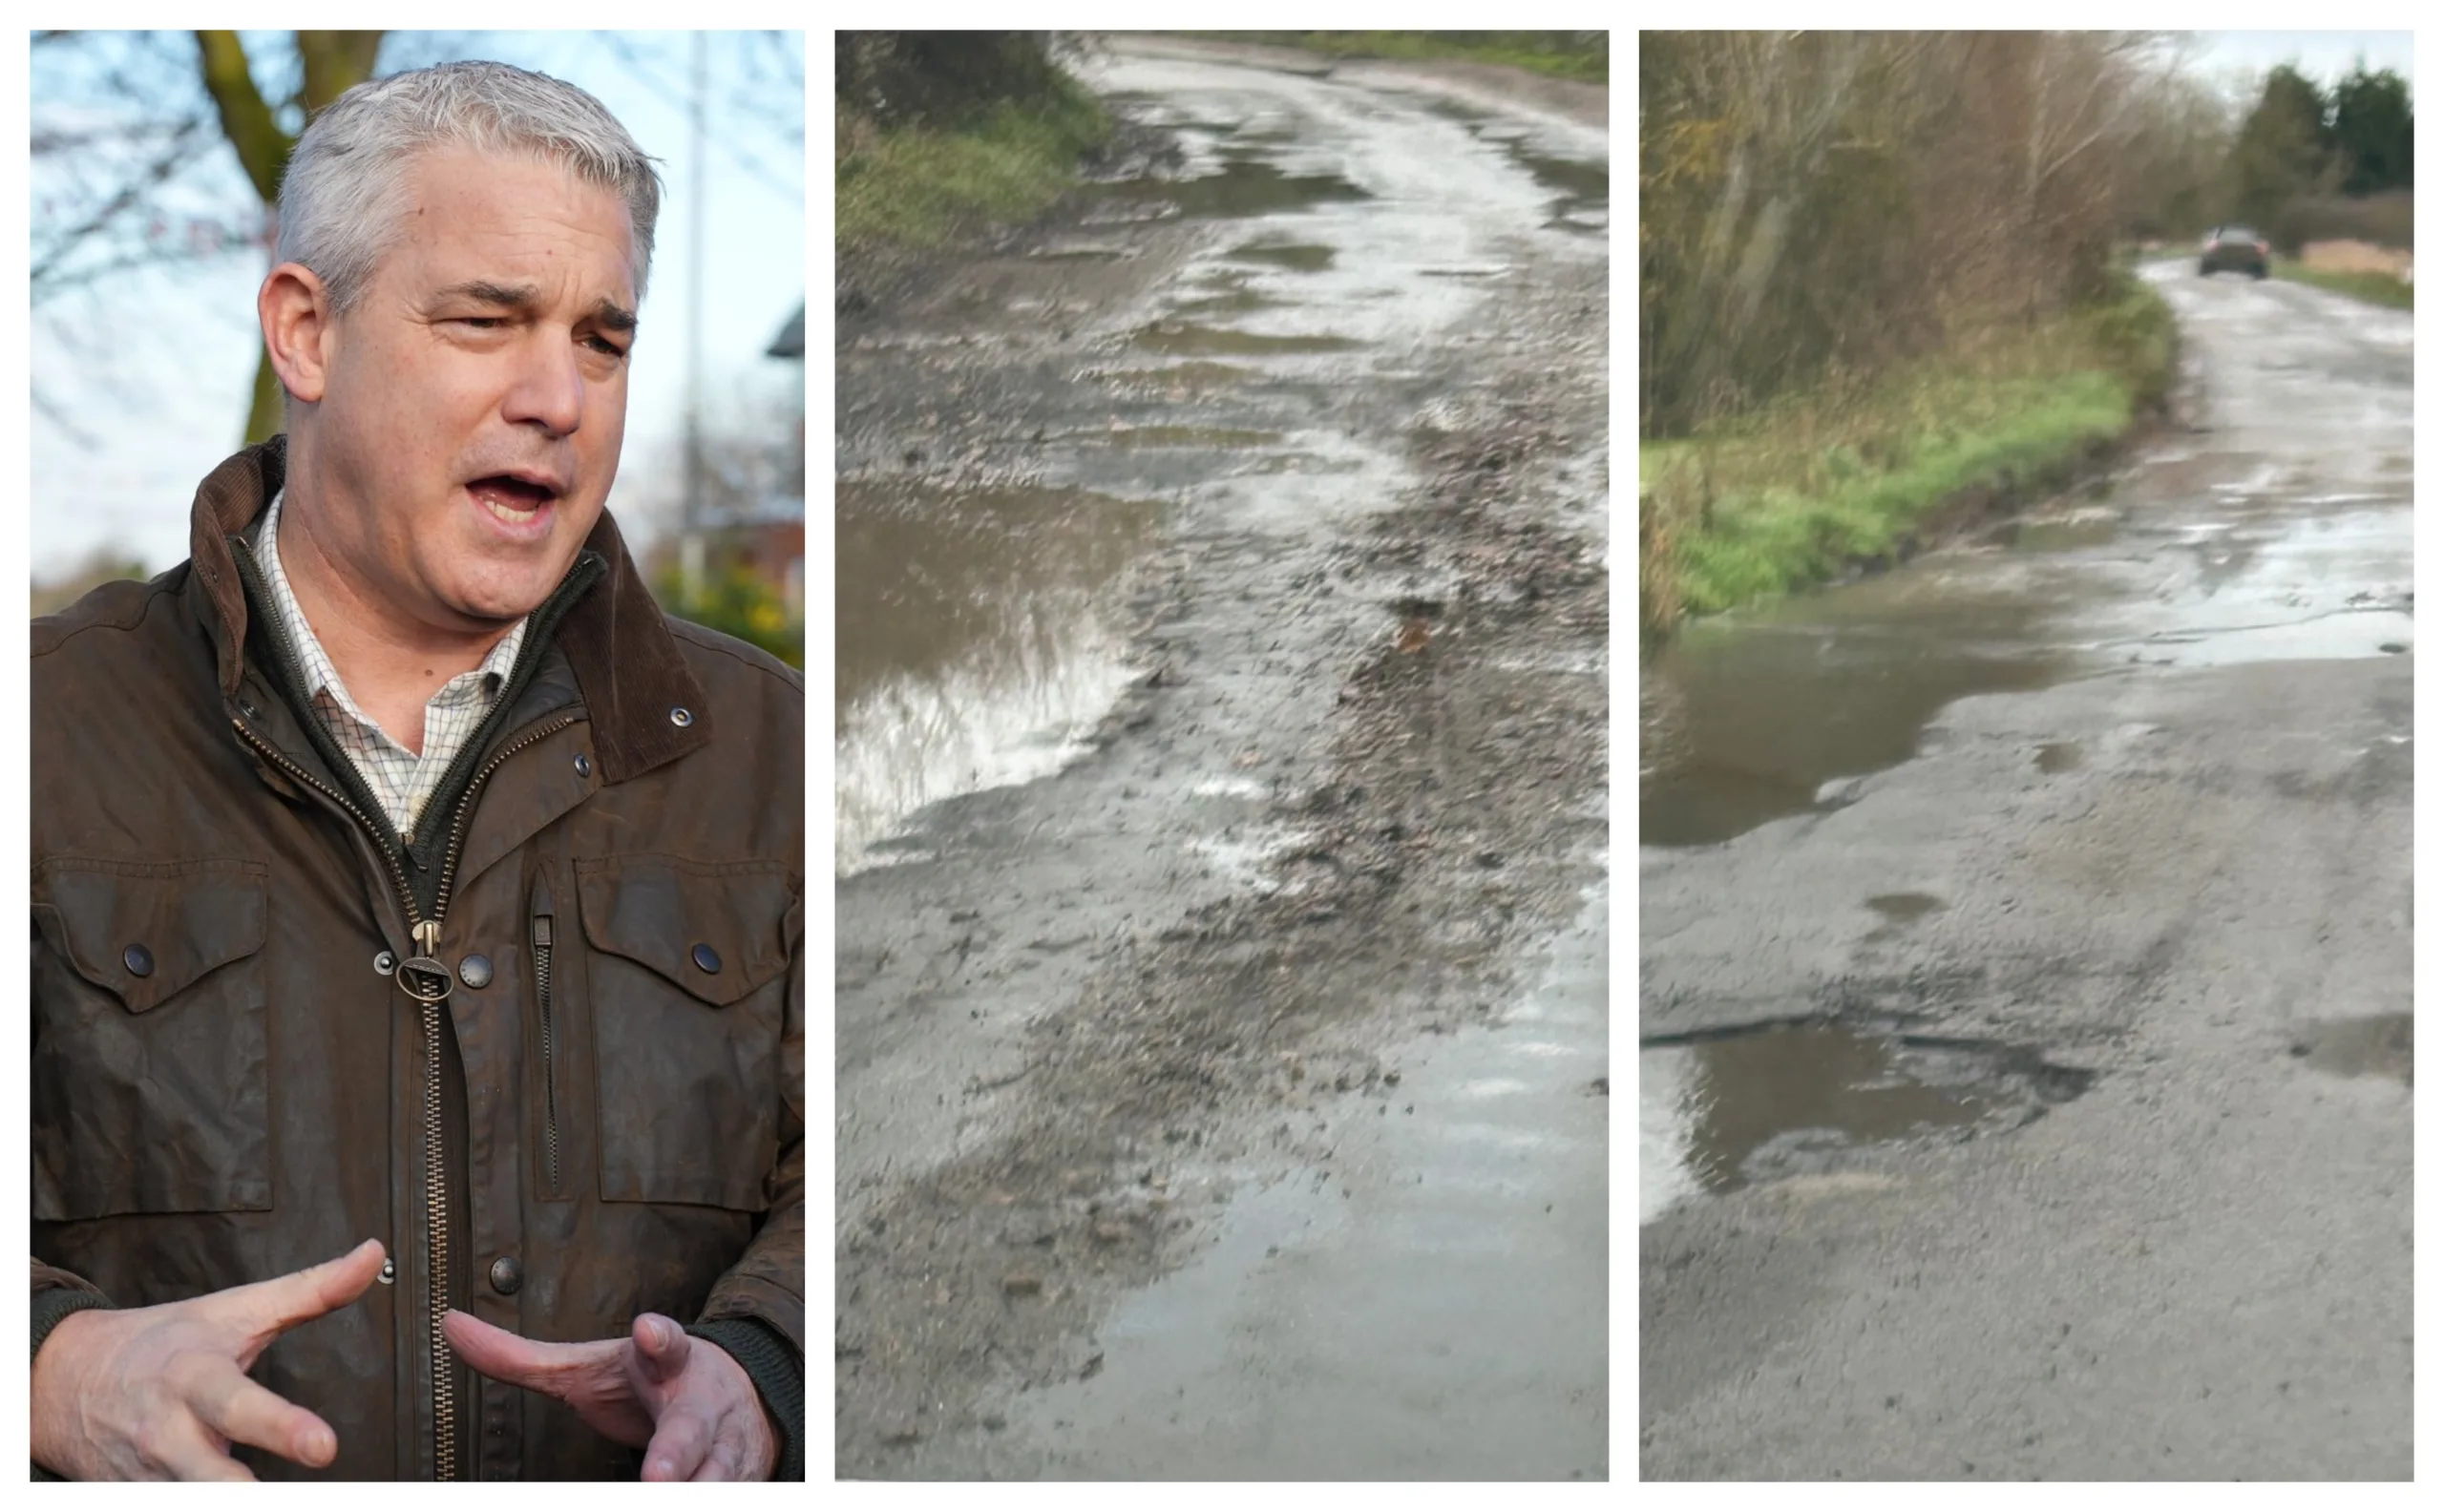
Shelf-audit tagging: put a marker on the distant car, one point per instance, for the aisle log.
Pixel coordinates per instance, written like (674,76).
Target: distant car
(2237,248)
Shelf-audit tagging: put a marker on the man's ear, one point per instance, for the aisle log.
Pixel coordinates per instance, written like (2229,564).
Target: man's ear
(295,309)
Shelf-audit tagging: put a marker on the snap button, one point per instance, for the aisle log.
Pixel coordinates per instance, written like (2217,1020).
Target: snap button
(384,963)
(139,961)
(508,1276)
(707,960)
(681,717)
(475,971)
(584,765)
(389,1270)
(248,709)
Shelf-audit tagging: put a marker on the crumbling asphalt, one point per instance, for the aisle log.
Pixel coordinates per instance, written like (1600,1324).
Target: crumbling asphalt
(2124,789)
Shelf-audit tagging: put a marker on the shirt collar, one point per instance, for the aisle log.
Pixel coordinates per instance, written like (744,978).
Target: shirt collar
(315,662)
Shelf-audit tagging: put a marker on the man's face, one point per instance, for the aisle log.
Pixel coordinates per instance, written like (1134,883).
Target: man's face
(469,424)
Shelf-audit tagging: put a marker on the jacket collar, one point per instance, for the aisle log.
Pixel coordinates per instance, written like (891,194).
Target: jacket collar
(626,662)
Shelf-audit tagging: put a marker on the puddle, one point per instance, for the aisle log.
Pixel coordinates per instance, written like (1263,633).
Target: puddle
(1305,463)
(1232,302)
(1582,188)
(1221,437)
(2215,560)
(1246,185)
(1302,256)
(1189,337)
(2065,533)
(2059,756)
(1718,1113)
(975,643)
(2378,1045)
(1182,375)
(2341,636)
(1423,1298)
(1747,719)
(1083,253)
(1906,908)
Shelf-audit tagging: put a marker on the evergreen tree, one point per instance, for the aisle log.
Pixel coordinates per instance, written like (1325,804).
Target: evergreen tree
(2282,152)
(2372,131)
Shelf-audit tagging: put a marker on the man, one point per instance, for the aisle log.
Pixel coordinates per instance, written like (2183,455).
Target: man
(409,891)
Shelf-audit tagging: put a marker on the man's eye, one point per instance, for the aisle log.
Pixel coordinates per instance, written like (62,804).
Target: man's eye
(480,322)
(607,348)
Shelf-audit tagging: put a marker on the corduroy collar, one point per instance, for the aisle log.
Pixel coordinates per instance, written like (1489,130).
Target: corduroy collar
(626,662)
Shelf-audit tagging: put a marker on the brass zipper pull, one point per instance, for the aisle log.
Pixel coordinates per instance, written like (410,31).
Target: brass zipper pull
(426,979)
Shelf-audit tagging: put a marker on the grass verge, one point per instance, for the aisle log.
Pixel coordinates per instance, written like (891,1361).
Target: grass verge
(1563,55)
(1816,483)
(921,187)
(2374,289)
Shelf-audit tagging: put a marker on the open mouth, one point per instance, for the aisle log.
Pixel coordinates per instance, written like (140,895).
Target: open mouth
(514,501)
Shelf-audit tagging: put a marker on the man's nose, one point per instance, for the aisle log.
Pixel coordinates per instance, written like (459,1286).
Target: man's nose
(550,386)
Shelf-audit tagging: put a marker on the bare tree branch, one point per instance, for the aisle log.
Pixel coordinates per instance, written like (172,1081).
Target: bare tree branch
(728,143)
(46,269)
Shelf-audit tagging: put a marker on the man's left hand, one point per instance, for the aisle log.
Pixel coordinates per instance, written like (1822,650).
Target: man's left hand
(687,1402)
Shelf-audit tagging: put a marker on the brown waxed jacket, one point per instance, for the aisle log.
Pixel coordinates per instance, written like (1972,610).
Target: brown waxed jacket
(236,1070)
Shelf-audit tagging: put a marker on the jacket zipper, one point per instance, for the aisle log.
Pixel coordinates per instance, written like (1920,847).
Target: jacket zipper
(428,938)
(551,1085)
(427,972)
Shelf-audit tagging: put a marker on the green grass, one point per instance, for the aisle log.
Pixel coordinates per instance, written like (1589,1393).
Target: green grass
(2375,288)
(1791,496)
(1558,54)
(920,188)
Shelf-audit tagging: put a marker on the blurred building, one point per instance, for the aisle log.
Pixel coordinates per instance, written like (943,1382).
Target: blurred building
(773,529)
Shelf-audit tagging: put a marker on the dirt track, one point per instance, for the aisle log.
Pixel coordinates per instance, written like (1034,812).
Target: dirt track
(1273,988)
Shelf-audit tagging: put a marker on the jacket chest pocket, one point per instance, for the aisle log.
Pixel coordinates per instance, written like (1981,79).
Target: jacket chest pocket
(151,1075)
(686,973)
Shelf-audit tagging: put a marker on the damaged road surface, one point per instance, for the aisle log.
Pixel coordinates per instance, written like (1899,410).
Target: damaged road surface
(2025,968)
(1221,908)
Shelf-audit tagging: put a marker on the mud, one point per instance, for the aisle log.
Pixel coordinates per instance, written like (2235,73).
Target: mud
(2151,753)
(1294,950)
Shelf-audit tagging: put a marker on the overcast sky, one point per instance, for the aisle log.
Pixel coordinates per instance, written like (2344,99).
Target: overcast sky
(156,375)
(2322,55)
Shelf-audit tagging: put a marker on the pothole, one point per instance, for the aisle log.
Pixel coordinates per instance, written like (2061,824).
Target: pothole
(1718,1111)
(1245,186)
(1229,301)
(1304,257)
(1083,252)
(1750,716)
(1187,377)
(1184,338)
(2376,1044)
(1905,908)
(1204,437)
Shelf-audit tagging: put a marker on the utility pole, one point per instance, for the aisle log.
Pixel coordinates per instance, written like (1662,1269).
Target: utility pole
(691,538)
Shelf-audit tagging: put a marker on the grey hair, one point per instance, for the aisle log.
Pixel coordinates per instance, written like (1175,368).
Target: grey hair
(341,197)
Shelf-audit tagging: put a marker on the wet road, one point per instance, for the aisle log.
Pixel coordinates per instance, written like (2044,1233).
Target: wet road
(1222,911)
(1324,242)
(1426,1306)
(2025,944)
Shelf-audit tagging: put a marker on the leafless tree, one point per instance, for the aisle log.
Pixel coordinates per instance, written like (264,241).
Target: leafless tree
(1816,206)
(161,150)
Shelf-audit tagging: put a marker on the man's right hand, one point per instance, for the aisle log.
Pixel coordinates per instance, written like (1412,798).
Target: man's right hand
(161,1392)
